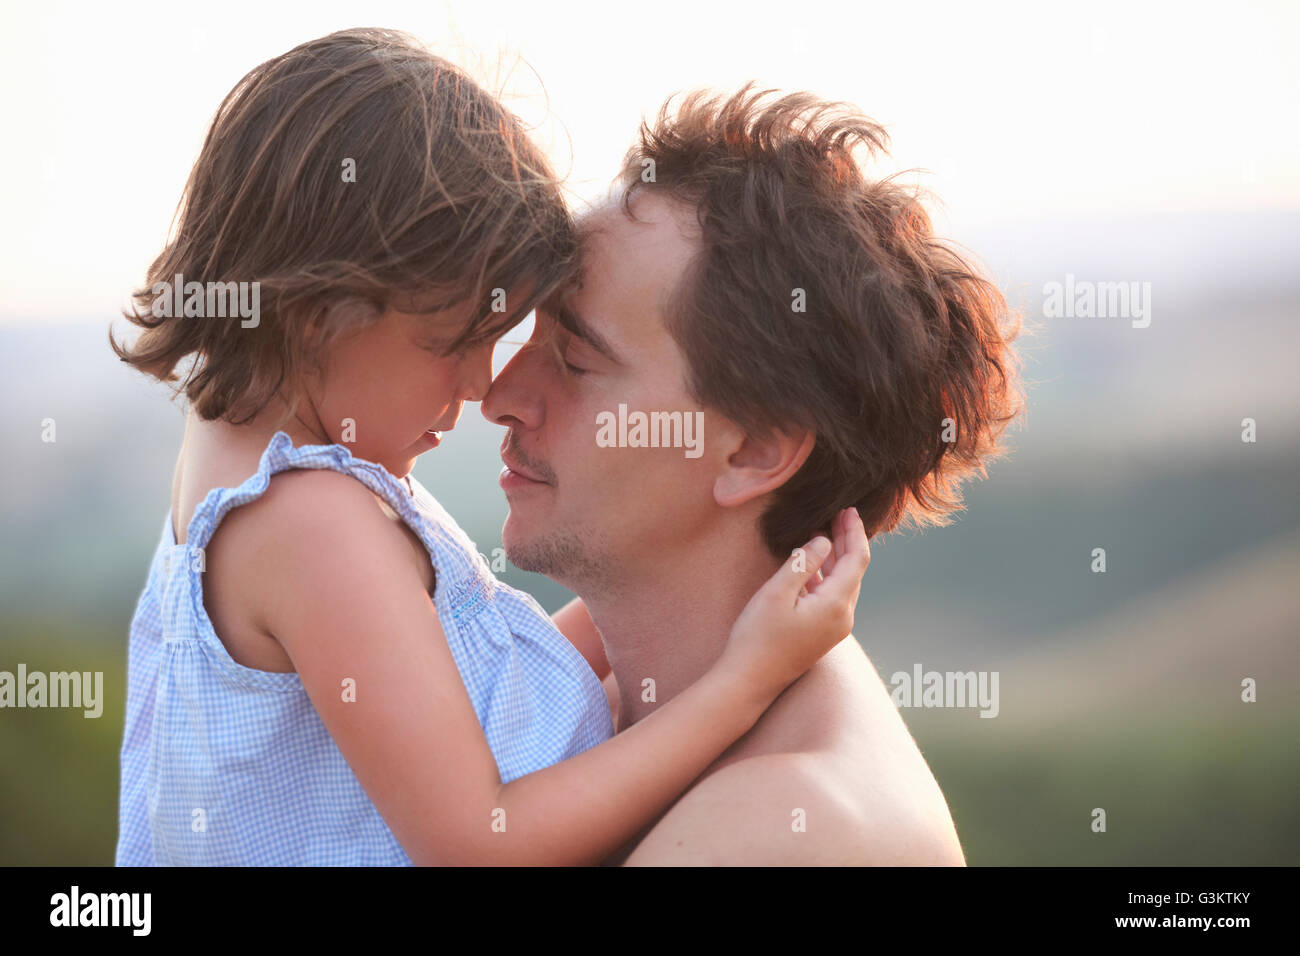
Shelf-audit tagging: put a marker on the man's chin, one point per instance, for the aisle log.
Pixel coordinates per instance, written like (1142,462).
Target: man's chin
(518,544)
(526,558)
(556,554)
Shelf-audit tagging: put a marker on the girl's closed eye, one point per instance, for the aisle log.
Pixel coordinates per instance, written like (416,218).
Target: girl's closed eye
(436,341)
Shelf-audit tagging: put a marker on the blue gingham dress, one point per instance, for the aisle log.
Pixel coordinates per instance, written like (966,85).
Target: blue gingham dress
(222,764)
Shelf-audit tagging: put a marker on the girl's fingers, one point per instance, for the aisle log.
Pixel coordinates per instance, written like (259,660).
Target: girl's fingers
(799,574)
(840,541)
(827,567)
(839,529)
(845,580)
(839,535)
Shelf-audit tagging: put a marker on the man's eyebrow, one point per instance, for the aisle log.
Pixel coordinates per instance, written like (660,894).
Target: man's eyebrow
(584,330)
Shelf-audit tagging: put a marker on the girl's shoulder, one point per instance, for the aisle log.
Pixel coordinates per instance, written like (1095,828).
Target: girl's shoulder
(286,489)
(309,517)
(320,516)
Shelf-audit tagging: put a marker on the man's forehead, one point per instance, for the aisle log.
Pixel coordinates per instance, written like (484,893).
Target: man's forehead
(656,241)
(651,219)
(631,265)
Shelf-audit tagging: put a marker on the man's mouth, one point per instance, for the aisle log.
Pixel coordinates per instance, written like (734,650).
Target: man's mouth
(515,474)
(511,480)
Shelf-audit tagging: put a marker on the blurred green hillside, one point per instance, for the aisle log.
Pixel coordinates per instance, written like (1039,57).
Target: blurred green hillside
(1139,712)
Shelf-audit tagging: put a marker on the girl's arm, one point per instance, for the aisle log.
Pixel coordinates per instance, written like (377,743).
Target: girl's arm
(334,581)
(576,624)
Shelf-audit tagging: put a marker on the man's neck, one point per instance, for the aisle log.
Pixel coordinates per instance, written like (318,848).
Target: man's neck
(673,624)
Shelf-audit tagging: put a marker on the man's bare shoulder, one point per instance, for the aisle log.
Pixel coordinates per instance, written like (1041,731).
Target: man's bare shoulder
(795,809)
(829,777)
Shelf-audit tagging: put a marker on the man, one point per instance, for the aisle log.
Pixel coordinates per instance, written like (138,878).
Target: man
(762,336)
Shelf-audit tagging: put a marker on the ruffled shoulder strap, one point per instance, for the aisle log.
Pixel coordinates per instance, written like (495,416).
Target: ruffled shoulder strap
(456,570)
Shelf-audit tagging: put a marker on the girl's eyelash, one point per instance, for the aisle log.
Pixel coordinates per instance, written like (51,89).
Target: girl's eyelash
(574,370)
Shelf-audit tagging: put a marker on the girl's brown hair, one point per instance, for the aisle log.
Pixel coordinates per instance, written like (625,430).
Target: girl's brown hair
(355,173)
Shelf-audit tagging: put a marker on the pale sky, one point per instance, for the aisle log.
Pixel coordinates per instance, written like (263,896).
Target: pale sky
(1019,113)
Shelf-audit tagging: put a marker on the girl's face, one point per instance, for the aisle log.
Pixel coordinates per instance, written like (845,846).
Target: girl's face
(388,388)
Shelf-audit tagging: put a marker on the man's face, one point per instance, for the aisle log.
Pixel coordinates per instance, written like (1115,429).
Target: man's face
(597,513)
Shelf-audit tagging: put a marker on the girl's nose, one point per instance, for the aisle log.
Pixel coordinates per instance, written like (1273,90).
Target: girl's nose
(478,374)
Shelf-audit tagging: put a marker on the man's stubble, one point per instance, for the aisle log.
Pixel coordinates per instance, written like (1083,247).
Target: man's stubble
(581,562)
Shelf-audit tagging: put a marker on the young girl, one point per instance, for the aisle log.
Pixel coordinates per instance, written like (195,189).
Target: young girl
(322,669)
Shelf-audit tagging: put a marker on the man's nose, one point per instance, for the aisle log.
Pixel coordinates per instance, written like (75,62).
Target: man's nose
(515,397)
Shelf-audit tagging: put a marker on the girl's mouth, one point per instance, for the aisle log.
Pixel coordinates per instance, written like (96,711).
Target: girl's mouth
(433,437)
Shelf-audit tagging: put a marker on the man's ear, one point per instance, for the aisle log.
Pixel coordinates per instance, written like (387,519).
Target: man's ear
(761,465)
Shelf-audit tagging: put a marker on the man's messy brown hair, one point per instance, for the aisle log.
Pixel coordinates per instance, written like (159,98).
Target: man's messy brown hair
(450,202)
(900,363)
